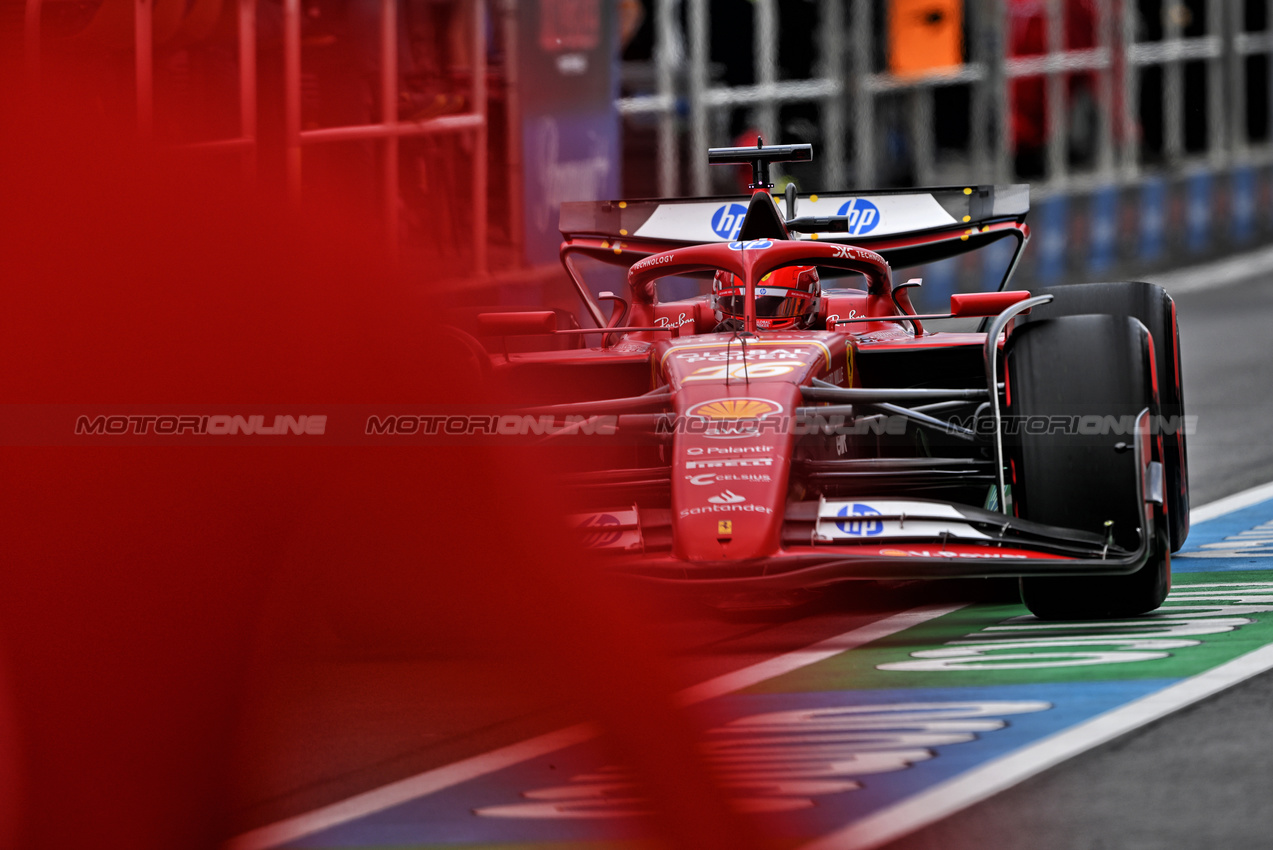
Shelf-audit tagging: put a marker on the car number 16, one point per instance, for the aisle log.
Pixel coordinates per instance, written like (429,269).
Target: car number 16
(741,370)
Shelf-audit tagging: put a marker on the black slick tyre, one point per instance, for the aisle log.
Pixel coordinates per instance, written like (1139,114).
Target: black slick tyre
(1150,304)
(1085,369)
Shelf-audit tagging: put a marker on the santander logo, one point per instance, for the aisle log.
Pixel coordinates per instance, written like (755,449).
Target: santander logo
(727,497)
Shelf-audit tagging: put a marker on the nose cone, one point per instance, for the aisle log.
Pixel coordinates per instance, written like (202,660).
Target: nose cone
(731,454)
(736,401)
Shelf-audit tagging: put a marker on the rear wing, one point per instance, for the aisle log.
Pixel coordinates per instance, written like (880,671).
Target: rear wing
(907,226)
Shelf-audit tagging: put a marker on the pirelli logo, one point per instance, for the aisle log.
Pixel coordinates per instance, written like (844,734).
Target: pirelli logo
(728,462)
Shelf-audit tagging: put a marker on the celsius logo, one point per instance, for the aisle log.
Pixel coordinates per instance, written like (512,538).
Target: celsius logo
(728,220)
(726,497)
(708,478)
(862,214)
(859,527)
(600,530)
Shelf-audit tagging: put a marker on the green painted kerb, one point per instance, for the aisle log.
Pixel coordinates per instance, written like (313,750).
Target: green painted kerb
(1208,619)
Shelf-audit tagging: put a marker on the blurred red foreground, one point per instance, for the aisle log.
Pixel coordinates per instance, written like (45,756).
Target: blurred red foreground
(139,582)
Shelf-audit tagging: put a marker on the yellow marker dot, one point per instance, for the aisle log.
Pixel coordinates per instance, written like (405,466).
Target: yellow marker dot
(622,232)
(813,198)
(963,238)
(618,250)
(623,205)
(967,218)
(968,191)
(815,236)
(986,228)
(605,244)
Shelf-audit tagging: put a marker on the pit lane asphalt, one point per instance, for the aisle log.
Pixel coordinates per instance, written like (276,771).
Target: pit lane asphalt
(333,723)
(1227,343)
(1199,778)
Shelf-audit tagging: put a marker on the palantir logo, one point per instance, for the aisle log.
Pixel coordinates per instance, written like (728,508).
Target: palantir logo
(860,527)
(728,220)
(863,216)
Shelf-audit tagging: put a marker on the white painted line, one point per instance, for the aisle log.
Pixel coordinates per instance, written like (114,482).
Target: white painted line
(405,790)
(880,828)
(775,667)
(1215,275)
(989,779)
(981,783)
(432,781)
(1229,504)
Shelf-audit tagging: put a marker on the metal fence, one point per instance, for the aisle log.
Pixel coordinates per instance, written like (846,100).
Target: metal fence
(387,131)
(390,128)
(1159,72)
(244,142)
(1173,88)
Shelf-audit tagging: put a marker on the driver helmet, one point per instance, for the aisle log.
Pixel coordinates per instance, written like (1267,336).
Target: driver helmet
(785,298)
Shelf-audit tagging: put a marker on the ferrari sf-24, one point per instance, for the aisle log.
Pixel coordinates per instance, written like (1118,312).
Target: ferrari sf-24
(794,422)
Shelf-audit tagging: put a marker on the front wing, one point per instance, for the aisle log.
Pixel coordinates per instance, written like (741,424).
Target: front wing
(828,541)
(909,544)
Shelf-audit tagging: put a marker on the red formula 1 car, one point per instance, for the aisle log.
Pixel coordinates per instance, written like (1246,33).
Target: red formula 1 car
(779,433)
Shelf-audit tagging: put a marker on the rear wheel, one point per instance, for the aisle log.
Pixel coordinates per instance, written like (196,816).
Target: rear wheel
(1154,308)
(1085,378)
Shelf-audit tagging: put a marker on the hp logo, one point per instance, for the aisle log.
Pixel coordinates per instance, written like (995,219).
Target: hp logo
(859,525)
(863,216)
(728,220)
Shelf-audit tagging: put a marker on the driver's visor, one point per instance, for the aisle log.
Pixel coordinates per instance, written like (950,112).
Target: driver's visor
(772,302)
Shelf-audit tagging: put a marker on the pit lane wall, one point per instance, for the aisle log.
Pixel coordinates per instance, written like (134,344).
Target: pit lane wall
(1156,223)
(1123,231)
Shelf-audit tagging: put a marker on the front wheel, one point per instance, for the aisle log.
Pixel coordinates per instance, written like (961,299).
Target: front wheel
(1102,597)
(1086,377)
(1154,308)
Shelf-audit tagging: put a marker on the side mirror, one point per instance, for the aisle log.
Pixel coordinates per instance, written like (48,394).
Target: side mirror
(517,324)
(969,304)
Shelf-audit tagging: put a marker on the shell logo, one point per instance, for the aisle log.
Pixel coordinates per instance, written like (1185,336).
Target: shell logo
(736,408)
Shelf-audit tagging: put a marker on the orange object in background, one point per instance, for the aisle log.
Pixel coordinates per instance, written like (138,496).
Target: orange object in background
(924,35)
